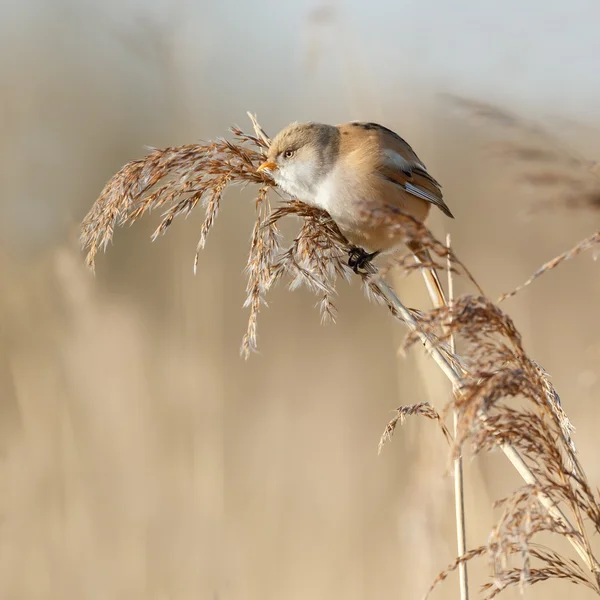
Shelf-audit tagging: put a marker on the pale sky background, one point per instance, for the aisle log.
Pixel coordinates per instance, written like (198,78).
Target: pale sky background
(68,65)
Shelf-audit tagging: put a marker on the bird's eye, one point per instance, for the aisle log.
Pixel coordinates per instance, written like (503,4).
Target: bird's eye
(288,153)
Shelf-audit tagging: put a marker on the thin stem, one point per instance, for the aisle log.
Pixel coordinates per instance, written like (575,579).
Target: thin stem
(459,491)
(260,132)
(511,453)
(438,300)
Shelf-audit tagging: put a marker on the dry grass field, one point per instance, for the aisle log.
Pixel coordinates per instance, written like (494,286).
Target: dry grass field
(140,456)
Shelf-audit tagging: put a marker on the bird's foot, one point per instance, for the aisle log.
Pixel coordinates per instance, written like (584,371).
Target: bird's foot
(359,259)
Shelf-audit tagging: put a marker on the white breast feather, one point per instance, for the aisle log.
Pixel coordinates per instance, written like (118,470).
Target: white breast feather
(338,195)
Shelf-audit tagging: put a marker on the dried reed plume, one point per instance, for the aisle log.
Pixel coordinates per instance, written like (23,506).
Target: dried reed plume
(504,399)
(507,400)
(178,178)
(557,173)
(501,397)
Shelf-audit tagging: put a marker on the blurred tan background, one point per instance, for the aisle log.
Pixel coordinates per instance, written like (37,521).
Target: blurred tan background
(140,456)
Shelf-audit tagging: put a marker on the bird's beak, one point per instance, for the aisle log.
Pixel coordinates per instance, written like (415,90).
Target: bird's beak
(267,166)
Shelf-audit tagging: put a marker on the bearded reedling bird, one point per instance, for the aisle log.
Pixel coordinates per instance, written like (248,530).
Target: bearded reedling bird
(352,171)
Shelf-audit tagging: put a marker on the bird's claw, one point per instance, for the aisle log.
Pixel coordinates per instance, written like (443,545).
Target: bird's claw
(359,259)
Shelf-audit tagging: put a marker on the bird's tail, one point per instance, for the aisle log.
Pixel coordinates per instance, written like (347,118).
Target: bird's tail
(432,281)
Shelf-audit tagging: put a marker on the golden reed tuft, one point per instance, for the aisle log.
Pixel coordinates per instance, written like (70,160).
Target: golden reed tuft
(179,178)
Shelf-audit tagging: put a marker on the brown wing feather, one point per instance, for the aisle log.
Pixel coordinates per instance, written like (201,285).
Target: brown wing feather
(413,177)
(418,184)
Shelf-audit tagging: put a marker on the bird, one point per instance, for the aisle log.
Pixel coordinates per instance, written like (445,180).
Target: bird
(353,171)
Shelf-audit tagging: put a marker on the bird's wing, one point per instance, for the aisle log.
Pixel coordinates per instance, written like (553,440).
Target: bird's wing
(399,163)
